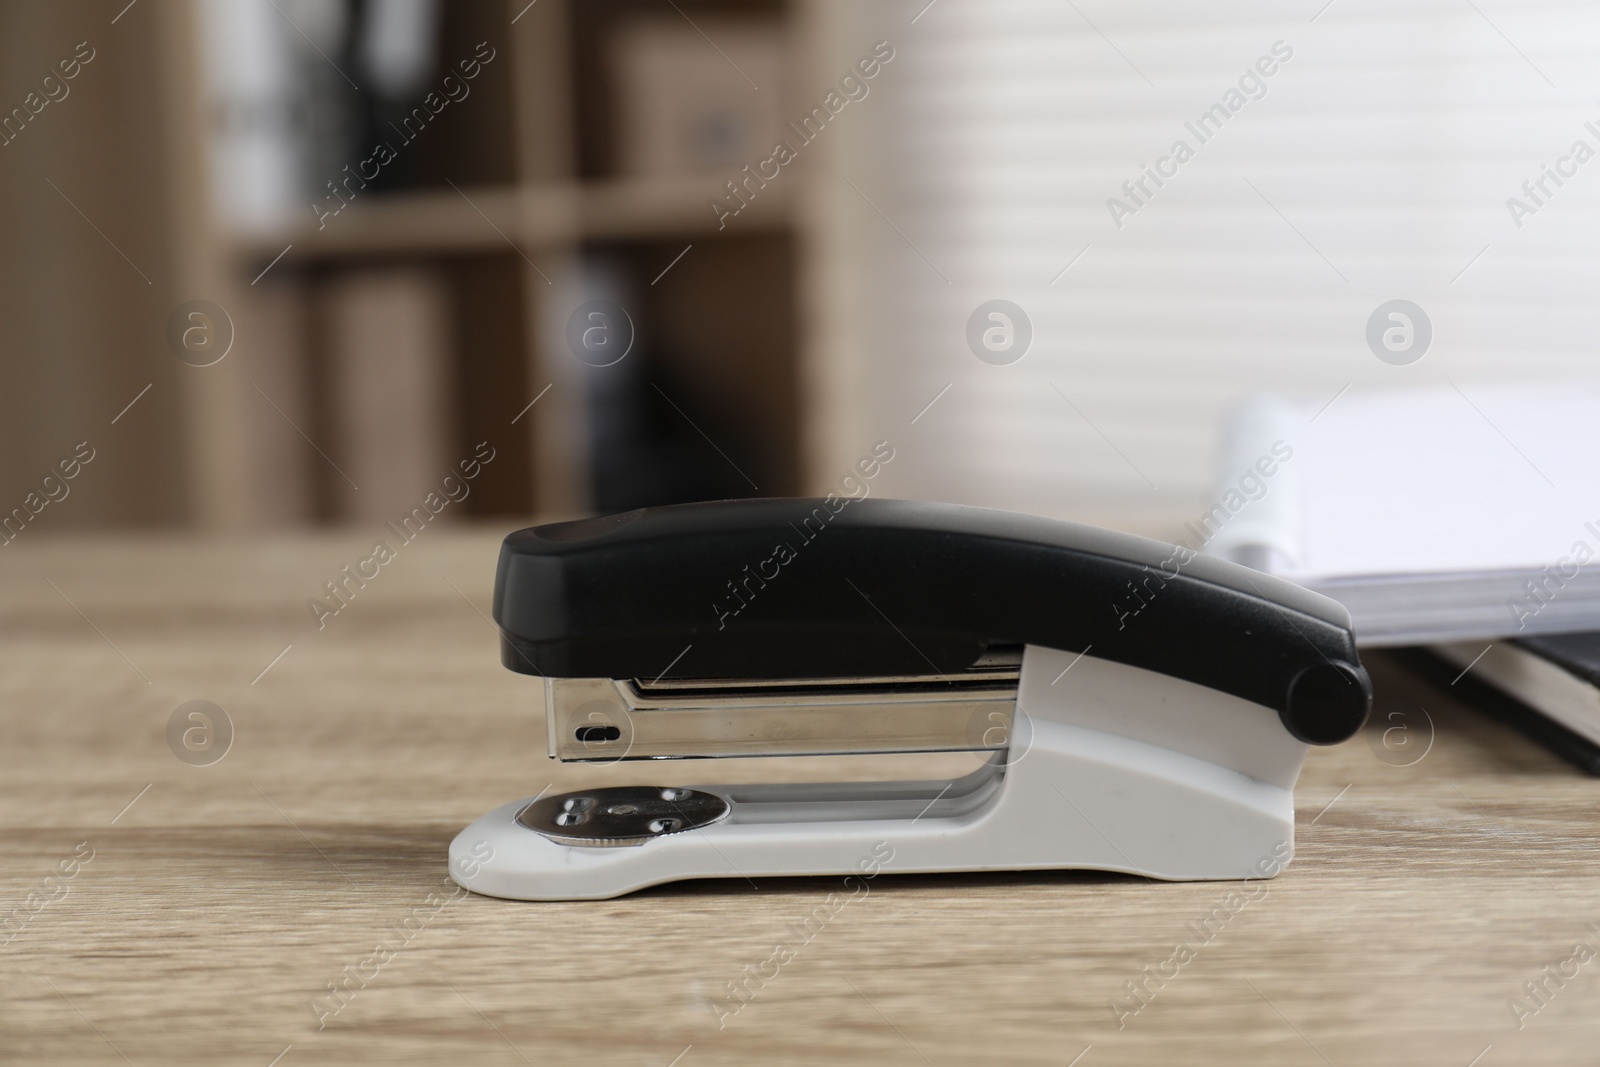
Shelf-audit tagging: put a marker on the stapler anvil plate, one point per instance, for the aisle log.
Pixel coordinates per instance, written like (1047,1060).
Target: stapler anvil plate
(1132,707)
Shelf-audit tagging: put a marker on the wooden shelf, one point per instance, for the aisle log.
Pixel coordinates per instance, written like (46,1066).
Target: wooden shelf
(526,208)
(483,219)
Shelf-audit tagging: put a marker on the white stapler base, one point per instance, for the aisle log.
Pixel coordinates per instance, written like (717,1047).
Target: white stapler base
(1212,800)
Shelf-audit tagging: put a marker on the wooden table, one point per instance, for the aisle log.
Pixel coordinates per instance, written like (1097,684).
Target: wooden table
(208,908)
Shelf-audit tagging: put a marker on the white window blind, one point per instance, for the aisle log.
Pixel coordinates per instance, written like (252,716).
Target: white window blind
(1375,162)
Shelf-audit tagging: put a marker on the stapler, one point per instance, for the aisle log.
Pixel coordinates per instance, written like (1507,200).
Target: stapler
(1127,705)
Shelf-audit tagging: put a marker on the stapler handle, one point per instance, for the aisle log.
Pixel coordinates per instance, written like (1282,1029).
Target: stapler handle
(814,588)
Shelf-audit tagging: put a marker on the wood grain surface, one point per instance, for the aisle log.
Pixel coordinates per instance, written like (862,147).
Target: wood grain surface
(208,908)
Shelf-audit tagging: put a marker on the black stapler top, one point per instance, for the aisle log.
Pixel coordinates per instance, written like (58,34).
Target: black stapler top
(818,589)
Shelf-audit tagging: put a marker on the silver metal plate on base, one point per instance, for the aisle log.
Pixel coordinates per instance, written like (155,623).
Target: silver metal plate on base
(620,816)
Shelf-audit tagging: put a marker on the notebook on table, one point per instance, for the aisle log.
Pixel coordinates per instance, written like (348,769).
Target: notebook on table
(1548,687)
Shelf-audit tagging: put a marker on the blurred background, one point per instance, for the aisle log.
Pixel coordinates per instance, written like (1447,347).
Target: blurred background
(283,263)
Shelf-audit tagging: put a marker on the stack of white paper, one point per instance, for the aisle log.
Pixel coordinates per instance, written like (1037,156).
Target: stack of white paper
(1433,514)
